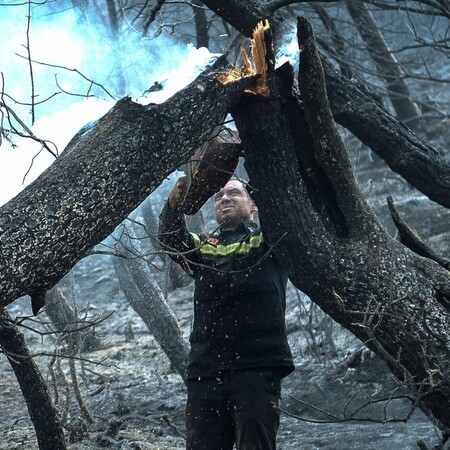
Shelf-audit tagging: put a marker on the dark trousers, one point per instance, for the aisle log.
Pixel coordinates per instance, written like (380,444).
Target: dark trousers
(236,407)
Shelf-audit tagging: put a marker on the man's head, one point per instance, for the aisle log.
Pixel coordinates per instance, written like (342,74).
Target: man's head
(233,205)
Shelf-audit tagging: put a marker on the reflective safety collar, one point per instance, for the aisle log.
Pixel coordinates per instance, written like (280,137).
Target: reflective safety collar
(208,247)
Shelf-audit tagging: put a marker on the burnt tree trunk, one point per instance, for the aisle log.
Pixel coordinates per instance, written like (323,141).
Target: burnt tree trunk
(146,298)
(331,242)
(105,172)
(43,414)
(417,162)
(335,249)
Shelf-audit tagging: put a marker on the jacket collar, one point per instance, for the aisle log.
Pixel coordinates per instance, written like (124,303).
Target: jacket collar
(246,227)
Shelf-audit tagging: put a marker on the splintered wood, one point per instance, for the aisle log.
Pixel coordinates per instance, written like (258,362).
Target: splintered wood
(257,65)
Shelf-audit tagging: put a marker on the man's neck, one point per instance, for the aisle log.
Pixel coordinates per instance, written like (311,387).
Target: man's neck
(229,226)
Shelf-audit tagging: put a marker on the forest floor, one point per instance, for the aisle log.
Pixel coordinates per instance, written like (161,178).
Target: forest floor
(137,402)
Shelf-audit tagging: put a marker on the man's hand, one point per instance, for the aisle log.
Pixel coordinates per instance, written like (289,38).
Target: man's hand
(178,193)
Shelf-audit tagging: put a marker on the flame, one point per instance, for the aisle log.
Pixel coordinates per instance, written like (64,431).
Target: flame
(255,66)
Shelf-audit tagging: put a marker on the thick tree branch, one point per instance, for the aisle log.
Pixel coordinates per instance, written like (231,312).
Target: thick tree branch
(105,172)
(330,151)
(419,163)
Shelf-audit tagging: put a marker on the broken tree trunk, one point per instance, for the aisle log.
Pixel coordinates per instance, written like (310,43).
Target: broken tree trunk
(417,162)
(332,244)
(105,172)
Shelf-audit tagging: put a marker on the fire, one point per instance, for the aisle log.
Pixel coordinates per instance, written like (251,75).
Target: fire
(256,65)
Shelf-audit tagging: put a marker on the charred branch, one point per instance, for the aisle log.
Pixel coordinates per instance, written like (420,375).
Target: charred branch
(410,238)
(108,169)
(329,150)
(425,167)
(420,164)
(245,15)
(384,294)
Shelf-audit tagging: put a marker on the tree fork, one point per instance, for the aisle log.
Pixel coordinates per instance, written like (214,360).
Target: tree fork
(419,163)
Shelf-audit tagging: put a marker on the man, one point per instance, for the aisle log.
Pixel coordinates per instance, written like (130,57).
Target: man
(239,350)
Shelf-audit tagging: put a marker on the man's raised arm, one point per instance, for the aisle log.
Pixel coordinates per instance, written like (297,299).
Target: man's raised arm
(174,237)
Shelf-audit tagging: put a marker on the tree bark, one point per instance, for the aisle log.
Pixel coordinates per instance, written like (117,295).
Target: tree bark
(394,301)
(49,432)
(146,298)
(425,167)
(201,24)
(105,172)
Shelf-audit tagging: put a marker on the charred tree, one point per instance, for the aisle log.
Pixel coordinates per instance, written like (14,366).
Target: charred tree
(425,167)
(146,298)
(331,242)
(49,431)
(106,171)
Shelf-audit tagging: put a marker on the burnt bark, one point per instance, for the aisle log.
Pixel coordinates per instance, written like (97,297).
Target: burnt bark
(410,238)
(245,15)
(49,431)
(422,165)
(389,297)
(106,171)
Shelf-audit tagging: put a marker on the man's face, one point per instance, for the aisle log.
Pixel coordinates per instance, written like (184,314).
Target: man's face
(232,205)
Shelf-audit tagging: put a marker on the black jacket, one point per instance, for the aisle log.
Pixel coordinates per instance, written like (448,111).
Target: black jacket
(239,299)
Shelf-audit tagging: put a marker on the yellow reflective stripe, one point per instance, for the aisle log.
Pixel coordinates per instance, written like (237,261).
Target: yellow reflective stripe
(235,247)
(197,240)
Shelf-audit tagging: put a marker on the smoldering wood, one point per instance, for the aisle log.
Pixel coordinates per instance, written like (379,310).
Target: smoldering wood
(386,295)
(105,172)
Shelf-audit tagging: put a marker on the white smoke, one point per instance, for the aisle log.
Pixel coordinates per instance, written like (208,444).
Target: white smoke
(128,65)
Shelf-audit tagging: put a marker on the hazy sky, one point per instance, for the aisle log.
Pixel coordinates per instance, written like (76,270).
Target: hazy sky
(58,40)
